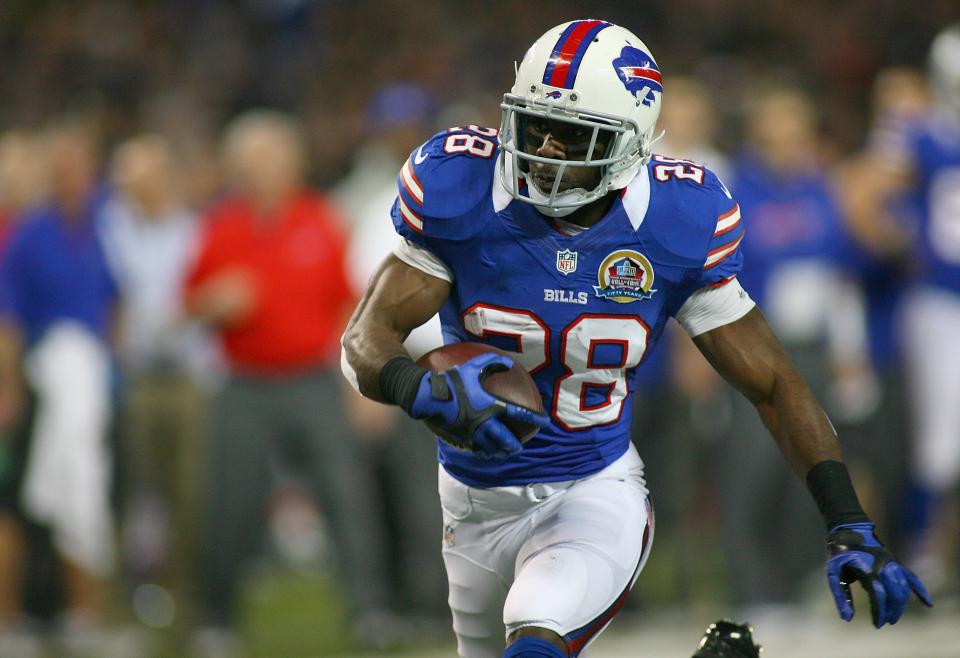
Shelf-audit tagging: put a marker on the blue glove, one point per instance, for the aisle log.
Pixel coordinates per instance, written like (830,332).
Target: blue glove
(855,553)
(468,416)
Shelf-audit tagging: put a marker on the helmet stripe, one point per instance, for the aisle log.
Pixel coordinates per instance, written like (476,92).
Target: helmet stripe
(555,55)
(572,45)
(581,51)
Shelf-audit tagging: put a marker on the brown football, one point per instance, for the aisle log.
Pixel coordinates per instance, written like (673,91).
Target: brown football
(514,385)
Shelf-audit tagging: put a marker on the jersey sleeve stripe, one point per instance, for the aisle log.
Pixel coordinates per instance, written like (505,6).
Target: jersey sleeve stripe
(411,183)
(412,219)
(728,221)
(717,255)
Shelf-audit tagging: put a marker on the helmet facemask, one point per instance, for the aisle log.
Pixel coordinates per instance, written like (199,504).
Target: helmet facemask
(610,143)
(597,88)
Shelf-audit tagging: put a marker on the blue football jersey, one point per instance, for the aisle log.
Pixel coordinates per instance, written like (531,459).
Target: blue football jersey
(932,148)
(579,312)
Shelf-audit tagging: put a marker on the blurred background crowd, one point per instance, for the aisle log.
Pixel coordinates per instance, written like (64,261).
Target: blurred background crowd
(193,195)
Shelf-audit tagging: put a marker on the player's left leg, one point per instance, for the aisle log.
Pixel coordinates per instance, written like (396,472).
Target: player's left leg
(478,563)
(575,571)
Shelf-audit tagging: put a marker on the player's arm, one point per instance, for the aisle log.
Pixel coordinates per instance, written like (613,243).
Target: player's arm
(749,356)
(401,297)
(437,191)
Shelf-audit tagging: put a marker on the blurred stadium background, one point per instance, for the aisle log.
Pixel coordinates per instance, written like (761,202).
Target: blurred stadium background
(368,81)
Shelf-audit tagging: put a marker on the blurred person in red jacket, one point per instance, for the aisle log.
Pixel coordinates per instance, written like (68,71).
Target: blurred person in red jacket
(270,278)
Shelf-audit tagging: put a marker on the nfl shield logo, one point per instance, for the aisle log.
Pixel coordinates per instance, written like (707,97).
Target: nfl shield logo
(566,261)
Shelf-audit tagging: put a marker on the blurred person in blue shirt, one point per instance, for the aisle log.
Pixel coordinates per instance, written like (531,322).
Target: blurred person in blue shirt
(57,320)
(796,246)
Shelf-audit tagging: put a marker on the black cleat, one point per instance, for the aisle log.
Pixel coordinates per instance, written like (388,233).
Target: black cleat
(725,639)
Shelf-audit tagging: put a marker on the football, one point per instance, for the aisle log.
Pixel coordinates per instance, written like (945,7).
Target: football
(514,385)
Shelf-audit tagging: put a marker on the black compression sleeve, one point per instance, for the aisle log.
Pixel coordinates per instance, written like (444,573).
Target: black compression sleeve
(829,482)
(399,381)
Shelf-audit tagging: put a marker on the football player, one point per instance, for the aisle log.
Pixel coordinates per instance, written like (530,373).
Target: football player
(563,239)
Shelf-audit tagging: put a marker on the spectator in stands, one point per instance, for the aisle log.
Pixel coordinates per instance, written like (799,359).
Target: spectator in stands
(270,278)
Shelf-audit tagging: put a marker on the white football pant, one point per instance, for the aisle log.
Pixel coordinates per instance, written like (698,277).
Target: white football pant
(558,555)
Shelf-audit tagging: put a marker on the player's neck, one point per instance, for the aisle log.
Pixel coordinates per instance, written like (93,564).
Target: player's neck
(593,212)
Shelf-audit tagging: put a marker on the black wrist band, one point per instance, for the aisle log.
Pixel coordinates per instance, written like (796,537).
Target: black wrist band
(399,380)
(829,482)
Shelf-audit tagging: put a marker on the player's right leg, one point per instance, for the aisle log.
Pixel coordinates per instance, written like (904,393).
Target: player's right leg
(477,589)
(567,551)
(483,532)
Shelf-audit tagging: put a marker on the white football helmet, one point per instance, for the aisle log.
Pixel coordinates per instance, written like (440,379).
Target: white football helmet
(602,80)
(945,68)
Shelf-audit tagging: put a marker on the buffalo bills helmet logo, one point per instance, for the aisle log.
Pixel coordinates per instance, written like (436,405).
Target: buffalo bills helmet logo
(553,94)
(639,74)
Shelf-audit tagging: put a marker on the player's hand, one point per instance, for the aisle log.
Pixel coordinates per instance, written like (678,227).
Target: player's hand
(855,553)
(469,416)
